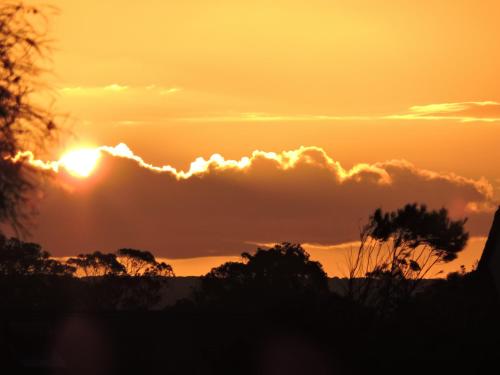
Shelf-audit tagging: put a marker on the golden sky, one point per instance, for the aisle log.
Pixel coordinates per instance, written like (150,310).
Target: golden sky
(365,81)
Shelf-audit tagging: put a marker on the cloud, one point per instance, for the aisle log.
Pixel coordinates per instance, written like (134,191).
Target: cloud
(169,91)
(485,111)
(93,91)
(219,207)
(122,104)
(268,117)
(115,88)
(449,107)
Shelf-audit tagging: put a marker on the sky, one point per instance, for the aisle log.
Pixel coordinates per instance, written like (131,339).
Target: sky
(402,95)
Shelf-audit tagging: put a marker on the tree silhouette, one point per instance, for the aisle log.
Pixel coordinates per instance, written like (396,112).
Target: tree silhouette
(398,249)
(97,264)
(280,273)
(142,289)
(163,269)
(128,280)
(23,124)
(18,258)
(142,263)
(30,279)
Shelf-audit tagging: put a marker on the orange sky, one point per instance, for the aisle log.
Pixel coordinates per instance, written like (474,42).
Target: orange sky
(366,81)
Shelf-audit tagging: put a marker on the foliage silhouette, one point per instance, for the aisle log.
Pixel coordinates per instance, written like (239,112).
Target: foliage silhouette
(18,258)
(398,250)
(98,264)
(128,280)
(30,279)
(142,263)
(23,124)
(146,277)
(268,277)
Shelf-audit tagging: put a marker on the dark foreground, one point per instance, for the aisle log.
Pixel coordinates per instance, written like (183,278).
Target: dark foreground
(453,328)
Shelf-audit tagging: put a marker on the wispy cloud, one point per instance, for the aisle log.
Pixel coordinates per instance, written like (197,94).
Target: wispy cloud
(267,117)
(220,111)
(115,88)
(449,107)
(94,90)
(485,111)
(169,91)
(130,122)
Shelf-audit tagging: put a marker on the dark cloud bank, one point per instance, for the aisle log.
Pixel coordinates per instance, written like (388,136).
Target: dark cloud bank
(223,212)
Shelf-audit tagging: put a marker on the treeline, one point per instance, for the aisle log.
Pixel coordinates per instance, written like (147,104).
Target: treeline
(274,304)
(30,279)
(397,251)
(18,258)
(274,307)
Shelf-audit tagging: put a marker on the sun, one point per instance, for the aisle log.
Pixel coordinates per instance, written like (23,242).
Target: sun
(80,163)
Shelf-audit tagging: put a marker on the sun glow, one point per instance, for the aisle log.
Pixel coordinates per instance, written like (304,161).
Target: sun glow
(80,163)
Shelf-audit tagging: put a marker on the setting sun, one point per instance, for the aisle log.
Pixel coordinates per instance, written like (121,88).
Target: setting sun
(80,163)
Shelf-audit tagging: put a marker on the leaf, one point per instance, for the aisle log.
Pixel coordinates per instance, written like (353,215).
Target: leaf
(414,266)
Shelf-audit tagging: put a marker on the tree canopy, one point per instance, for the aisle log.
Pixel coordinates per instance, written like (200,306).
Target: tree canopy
(414,225)
(280,272)
(18,258)
(142,263)
(98,264)
(400,248)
